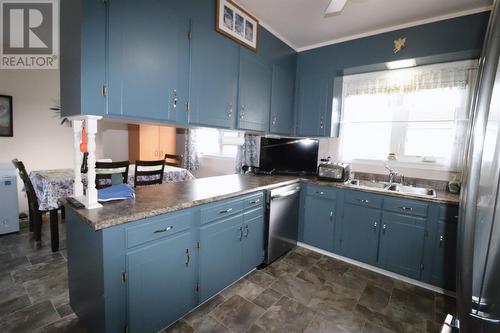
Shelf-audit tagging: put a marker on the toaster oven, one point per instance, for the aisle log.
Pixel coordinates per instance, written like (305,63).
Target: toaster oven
(336,172)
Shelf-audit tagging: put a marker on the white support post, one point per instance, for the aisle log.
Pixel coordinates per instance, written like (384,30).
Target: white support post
(90,198)
(77,160)
(91,126)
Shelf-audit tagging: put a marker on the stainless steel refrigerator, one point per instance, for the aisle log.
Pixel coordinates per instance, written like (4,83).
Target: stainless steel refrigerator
(478,275)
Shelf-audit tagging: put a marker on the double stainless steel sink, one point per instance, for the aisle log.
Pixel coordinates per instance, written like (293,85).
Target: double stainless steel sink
(394,187)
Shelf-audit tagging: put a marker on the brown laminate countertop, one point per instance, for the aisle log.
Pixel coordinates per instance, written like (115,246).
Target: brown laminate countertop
(151,201)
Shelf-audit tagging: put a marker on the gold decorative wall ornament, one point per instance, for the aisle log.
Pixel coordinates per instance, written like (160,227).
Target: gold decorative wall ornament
(399,44)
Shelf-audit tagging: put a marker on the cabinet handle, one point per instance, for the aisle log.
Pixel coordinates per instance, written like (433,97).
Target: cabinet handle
(320,192)
(441,240)
(331,216)
(174,95)
(229,210)
(230,110)
(384,227)
(255,202)
(241,233)
(406,208)
(188,257)
(274,120)
(364,201)
(163,230)
(247,231)
(375,225)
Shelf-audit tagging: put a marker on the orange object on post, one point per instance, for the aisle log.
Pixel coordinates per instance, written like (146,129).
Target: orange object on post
(83,144)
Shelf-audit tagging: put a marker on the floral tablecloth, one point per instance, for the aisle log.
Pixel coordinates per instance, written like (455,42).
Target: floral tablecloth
(51,185)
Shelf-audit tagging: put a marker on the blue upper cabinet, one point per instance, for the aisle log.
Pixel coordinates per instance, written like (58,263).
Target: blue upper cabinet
(282,99)
(214,71)
(83,57)
(254,92)
(148,60)
(313,104)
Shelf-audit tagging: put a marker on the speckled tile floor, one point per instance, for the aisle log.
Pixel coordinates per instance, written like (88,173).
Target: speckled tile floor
(302,292)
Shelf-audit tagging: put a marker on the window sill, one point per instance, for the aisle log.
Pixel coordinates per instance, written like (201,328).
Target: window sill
(218,157)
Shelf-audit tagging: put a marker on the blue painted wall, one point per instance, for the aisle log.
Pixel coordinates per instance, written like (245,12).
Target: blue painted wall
(452,39)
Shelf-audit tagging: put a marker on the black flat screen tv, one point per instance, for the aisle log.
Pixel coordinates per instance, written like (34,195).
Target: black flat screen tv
(289,156)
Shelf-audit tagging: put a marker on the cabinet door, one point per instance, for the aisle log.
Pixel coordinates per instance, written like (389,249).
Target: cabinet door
(149,138)
(214,75)
(167,141)
(445,256)
(253,241)
(161,282)
(220,255)
(360,233)
(319,222)
(148,60)
(312,105)
(283,86)
(402,244)
(254,94)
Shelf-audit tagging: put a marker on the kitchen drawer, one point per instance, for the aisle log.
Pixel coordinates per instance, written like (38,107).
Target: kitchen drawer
(254,201)
(159,227)
(363,199)
(408,207)
(221,209)
(253,214)
(448,213)
(322,191)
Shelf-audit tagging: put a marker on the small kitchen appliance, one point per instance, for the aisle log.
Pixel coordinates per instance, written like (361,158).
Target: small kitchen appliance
(335,172)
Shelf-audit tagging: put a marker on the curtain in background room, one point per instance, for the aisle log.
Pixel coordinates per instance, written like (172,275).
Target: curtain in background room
(191,159)
(247,153)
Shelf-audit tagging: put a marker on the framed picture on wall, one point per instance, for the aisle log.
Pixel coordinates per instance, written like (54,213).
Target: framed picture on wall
(237,24)
(6,122)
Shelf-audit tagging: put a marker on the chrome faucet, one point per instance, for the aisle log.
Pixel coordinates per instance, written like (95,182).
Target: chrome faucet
(392,174)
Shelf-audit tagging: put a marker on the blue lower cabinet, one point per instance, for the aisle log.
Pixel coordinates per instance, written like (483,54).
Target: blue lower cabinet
(444,259)
(220,255)
(402,244)
(253,241)
(360,233)
(161,282)
(319,226)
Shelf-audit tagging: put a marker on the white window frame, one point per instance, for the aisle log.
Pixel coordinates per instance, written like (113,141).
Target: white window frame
(224,141)
(398,137)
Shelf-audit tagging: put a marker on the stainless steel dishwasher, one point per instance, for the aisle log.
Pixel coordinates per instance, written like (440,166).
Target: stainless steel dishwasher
(282,220)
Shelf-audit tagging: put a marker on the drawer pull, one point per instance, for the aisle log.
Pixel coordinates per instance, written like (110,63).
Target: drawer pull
(255,202)
(406,208)
(163,230)
(364,201)
(188,257)
(229,210)
(320,192)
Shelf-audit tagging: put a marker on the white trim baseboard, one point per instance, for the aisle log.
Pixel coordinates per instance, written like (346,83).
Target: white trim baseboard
(379,270)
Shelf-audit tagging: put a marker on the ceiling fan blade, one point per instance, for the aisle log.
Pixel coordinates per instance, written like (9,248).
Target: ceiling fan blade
(335,6)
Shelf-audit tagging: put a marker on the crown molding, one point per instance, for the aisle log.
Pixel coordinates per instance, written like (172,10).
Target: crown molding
(395,27)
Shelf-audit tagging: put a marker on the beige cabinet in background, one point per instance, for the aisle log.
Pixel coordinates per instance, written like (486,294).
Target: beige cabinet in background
(150,142)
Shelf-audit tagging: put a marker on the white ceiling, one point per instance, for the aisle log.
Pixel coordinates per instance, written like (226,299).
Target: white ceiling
(303,25)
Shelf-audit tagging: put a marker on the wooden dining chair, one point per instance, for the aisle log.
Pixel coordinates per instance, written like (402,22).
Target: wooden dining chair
(106,170)
(35,214)
(153,170)
(173,160)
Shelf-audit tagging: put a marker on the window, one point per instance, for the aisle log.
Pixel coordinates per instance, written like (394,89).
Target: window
(214,142)
(420,114)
